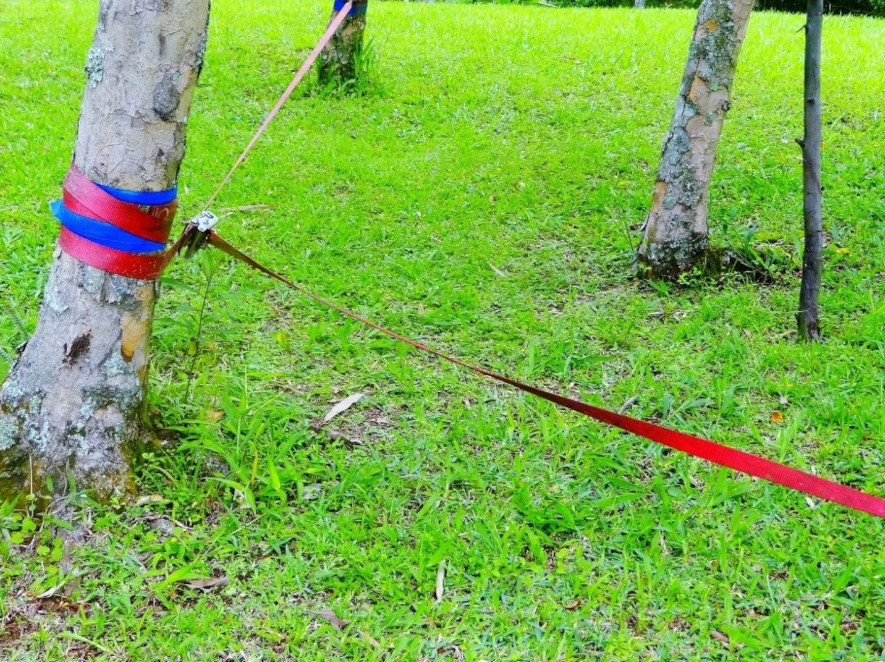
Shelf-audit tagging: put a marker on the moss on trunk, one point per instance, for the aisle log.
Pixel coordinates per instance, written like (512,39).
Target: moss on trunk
(340,60)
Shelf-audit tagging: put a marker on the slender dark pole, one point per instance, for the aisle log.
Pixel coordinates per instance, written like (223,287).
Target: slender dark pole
(812,262)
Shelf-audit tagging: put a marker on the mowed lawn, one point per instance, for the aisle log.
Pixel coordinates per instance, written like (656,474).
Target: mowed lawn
(485,195)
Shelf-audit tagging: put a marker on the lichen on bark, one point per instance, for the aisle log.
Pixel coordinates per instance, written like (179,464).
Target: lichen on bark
(339,60)
(73,403)
(676,229)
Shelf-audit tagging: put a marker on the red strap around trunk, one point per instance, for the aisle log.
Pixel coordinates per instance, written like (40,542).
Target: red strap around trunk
(149,222)
(146,266)
(84,197)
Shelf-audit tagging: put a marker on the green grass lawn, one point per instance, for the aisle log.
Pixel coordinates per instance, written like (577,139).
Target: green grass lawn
(484,195)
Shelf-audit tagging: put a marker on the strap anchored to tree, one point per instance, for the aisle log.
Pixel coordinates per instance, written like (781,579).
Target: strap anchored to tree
(125,232)
(200,226)
(118,231)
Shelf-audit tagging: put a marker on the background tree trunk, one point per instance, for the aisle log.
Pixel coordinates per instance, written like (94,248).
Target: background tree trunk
(73,403)
(812,261)
(340,58)
(675,232)
(639,4)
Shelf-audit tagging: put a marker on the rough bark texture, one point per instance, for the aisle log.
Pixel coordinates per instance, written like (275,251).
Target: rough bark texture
(639,4)
(675,232)
(339,60)
(73,404)
(812,262)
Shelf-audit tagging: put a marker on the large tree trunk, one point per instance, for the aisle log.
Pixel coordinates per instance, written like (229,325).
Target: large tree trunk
(675,232)
(808,317)
(340,59)
(73,403)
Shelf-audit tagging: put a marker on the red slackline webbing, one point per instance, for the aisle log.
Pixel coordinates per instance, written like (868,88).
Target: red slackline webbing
(711,451)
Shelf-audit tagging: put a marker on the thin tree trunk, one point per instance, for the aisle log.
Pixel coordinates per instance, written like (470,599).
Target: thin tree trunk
(339,60)
(812,262)
(73,404)
(639,4)
(675,232)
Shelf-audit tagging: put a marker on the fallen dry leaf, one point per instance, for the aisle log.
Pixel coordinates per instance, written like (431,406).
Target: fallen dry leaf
(370,639)
(571,606)
(330,616)
(343,406)
(777,417)
(214,415)
(50,592)
(629,402)
(718,636)
(207,583)
(502,274)
(440,580)
(149,498)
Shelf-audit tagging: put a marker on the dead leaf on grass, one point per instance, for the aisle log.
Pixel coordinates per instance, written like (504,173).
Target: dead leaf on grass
(330,616)
(502,274)
(207,583)
(149,498)
(214,415)
(440,580)
(343,406)
(50,592)
(370,639)
(718,636)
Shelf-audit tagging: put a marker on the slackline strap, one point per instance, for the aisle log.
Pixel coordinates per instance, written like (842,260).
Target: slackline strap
(711,451)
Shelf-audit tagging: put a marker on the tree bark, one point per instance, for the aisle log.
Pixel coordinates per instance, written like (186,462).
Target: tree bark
(675,231)
(639,4)
(73,403)
(339,60)
(812,262)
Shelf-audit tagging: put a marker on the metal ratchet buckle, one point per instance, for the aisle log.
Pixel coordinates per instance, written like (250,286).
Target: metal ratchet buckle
(200,227)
